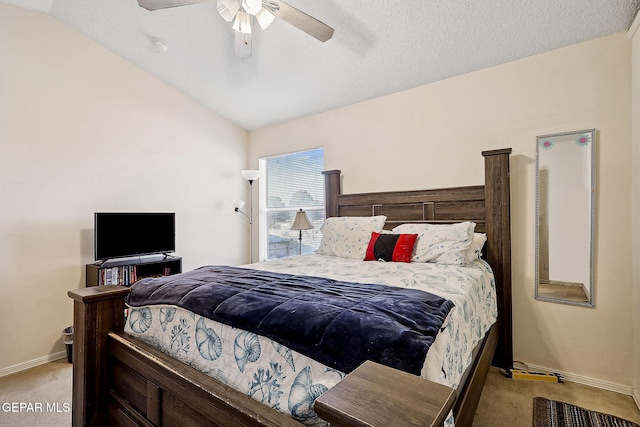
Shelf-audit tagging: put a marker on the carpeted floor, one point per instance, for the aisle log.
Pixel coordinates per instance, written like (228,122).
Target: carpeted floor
(44,392)
(509,403)
(505,402)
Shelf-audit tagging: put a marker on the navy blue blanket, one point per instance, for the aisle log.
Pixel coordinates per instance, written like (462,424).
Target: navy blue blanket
(339,324)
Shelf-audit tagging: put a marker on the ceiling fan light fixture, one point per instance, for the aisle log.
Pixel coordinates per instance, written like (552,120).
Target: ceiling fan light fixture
(228,9)
(252,6)
(264,18)
(242,23)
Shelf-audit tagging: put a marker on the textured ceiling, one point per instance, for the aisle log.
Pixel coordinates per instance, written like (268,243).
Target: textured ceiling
(379,47)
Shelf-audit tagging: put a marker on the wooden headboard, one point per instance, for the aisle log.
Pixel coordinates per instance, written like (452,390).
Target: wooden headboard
(487,205)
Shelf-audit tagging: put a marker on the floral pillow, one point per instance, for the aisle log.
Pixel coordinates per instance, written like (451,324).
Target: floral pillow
(440,243)
(348,236)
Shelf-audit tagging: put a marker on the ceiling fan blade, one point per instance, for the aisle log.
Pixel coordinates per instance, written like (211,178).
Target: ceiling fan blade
(242,45)
(299,19)
(164,4)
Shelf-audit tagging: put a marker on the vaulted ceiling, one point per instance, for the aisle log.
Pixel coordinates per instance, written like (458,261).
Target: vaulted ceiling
(379,47)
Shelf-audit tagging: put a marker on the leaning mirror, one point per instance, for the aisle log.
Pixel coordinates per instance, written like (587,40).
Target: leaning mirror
(565,215)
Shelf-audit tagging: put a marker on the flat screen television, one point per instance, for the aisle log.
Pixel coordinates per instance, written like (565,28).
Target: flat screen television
(127,234)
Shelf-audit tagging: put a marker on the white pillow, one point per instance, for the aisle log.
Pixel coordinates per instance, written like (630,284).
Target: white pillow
(475,250)
(441,243)
(348,236)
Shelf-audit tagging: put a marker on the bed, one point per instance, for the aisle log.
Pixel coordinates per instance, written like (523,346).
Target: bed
(123,380)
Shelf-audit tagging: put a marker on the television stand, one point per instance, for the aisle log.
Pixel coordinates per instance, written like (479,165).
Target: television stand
(126,271)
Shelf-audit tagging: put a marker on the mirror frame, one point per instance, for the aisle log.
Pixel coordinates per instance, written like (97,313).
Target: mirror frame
(592,218)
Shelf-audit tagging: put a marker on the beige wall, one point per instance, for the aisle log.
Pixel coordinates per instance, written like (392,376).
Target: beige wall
(635,138)
(431,137)
(82,130)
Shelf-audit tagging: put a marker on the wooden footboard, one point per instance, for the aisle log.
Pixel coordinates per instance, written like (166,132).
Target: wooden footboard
(147,386)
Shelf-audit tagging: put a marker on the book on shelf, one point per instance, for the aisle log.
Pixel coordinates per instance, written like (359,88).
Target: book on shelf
(125,275)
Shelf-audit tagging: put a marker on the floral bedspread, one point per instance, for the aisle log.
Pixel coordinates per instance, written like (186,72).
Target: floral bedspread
(290,382)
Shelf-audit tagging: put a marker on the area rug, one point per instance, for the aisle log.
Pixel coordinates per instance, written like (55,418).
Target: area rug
(552,413)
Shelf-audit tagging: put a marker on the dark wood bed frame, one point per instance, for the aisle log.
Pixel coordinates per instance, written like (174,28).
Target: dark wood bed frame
(119,380)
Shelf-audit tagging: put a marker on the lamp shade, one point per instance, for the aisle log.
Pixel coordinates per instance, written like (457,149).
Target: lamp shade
(301,222)
(252,6)
(238,204)
(242,23)
(228,9)
(264,18)
(250,174)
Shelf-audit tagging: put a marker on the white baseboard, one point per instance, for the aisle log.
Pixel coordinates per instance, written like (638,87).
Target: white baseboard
(593,382)
(32,363)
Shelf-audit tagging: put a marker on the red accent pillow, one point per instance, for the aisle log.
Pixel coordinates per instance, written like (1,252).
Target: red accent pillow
(390,247)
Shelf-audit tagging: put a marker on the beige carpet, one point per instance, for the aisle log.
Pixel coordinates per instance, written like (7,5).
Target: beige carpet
(504,402)
(509,403)
(44,393)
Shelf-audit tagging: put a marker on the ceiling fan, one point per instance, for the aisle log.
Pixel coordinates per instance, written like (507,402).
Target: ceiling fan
(240,12)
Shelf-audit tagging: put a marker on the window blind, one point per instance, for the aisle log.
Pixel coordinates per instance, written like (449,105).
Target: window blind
(293,182)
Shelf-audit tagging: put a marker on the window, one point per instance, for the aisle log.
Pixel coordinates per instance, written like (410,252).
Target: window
(292,182)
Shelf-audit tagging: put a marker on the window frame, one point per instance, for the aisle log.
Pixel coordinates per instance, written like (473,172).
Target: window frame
(263,233)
